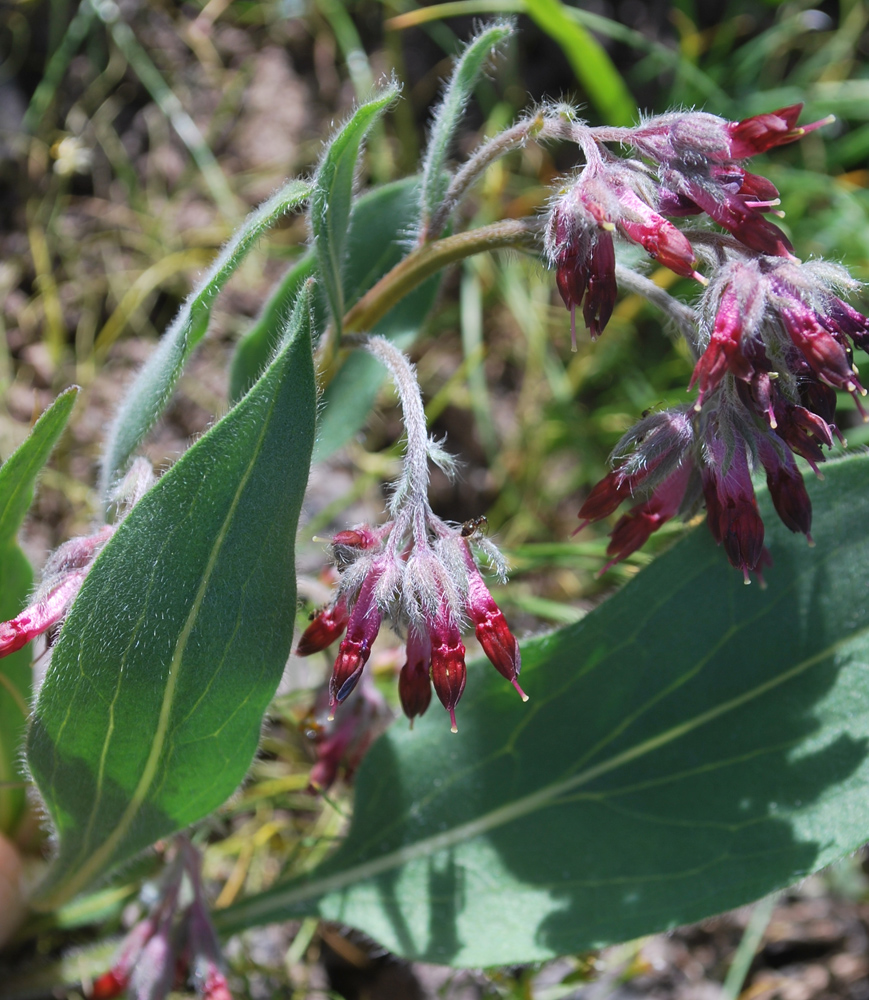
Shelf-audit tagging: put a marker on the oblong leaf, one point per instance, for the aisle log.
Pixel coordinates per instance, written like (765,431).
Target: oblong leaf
(332,196)
(18,475)
(449,112)
(150,713)
(689,746)
(147,397)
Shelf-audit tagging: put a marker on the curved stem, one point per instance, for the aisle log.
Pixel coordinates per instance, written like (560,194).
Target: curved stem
(420,264)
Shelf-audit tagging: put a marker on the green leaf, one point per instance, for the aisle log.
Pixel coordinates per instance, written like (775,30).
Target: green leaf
(147,397)
(19,472)
(151,711)
(448,114)
(593,67)
(689,746)
(257,346)
(332,197)
(376,242)
(18,476)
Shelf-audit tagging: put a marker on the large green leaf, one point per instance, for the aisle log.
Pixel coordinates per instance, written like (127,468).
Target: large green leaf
(689,746)
(376,242)
(148,395)
(18,476)
(449,112)
(151,711)
(332,196)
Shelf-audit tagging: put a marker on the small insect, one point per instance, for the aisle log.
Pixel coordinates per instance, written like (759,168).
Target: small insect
(652,409)
(473,526)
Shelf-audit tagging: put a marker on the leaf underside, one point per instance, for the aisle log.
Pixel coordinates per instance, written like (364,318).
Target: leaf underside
(689,746)
(151,711)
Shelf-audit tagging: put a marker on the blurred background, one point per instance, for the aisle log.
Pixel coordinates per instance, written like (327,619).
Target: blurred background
(134,137)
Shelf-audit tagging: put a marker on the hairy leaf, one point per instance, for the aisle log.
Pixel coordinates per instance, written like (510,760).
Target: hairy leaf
(150,713)
(149,394)
(18,476)
(689,746)
(449,113)
(332,197)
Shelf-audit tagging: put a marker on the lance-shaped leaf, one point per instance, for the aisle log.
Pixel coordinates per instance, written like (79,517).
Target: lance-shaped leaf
(148,395)
(18,476)
(448,115)
(151,711)
(332,197)
(689,746)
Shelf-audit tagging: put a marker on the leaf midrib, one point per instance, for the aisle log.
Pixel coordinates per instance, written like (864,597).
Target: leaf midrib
(267,906)
(101,858)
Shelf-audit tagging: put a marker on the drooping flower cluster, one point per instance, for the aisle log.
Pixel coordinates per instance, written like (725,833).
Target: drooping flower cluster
(174,943)
(773,338)
(418,572)
(691,165)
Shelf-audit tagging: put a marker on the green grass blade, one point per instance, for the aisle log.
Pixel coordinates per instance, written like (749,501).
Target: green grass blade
(448,115)
(150,392)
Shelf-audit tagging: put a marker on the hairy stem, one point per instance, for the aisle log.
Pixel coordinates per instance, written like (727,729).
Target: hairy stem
(414,488)
(421,264)
(537,127)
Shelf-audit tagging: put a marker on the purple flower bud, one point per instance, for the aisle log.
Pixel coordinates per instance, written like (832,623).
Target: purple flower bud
(39,617)
(490,626)
(448,673)
(731,506)
(658,237)
(723,351)
(362,628)
(63,576)
(634,528)
(823,352)
(325,627)
(414,681)
(786,486)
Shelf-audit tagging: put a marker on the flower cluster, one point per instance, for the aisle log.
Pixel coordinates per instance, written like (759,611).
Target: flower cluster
(418,572)
(172,944)
(690,164)
(773,338)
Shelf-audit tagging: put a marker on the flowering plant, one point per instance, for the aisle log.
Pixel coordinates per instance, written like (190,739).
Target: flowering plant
(170,625)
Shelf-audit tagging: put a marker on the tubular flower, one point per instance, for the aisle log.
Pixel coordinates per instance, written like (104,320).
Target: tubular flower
(63,576)
(731,506)
(698,156)
(417,572)
(66,568)
(608,197)
(151,959)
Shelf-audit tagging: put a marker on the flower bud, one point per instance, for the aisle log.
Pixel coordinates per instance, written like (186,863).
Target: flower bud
(731,506)
(326,625)
(362,628)
(490,626)
(448,673)
(414,681)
